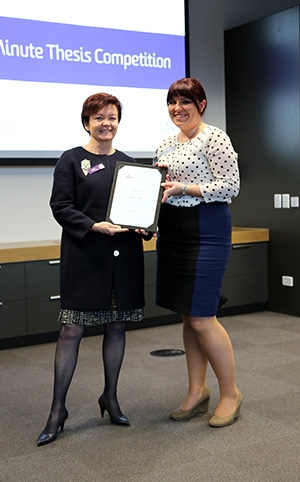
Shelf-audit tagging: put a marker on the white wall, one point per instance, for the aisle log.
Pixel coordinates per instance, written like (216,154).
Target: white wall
(24,192)
(24,205)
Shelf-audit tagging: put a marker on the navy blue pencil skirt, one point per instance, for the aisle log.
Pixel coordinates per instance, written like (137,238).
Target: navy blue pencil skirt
(193,247)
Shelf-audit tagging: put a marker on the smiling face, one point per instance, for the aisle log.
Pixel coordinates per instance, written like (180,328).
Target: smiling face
(184,113)
(187,102)
(103,125)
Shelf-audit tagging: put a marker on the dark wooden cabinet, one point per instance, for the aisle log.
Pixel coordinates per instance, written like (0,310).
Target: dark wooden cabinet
(30,299)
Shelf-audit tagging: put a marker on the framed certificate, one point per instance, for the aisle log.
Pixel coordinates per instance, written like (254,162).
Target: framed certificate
(135,196)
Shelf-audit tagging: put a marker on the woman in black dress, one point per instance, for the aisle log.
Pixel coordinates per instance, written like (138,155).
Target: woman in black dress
(98,282)
(193,246)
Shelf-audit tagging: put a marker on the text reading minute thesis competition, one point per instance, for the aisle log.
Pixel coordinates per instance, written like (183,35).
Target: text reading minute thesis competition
(57,53)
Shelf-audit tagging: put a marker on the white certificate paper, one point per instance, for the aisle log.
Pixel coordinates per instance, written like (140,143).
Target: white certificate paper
(136,196)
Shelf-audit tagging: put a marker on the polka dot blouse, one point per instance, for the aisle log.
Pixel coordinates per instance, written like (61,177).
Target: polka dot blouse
(208,160)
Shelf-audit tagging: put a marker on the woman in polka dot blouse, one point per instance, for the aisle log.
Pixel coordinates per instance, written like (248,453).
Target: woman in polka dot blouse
(193,246)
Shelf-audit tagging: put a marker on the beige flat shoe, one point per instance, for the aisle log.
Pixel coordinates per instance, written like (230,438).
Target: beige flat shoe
(220,422)
(200,407)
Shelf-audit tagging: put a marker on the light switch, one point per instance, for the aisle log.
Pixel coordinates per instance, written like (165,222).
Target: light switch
(294,201)
(277,201)
(285,201)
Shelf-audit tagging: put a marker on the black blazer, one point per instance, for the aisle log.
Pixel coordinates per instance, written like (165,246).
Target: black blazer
(91,263)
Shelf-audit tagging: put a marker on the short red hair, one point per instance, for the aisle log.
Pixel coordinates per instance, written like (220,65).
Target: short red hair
(95,103)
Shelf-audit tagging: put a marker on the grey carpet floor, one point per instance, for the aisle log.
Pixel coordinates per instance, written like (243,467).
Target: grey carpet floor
(264,445)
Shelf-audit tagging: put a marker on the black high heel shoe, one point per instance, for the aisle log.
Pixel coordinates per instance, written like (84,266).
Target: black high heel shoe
(47,438)
(122,420)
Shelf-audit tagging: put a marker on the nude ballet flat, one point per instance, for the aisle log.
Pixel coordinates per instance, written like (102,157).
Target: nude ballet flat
(219,422)
(200,407)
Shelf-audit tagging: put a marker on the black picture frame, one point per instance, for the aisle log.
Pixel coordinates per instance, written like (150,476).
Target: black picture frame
(142,199)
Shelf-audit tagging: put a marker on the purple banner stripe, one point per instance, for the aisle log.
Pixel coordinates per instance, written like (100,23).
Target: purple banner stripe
(52,52)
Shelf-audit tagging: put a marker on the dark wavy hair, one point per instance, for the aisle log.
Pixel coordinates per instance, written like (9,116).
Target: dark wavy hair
(191,89)
(96,102)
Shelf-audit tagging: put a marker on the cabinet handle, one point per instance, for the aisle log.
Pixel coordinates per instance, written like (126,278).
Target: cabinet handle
(54,261)
(55,297)
(241,246)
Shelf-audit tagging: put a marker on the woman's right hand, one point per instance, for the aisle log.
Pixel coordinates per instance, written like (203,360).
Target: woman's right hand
(104,227)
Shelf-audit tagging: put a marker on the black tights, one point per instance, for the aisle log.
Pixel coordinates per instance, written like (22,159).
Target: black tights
(65,362)
(113,349)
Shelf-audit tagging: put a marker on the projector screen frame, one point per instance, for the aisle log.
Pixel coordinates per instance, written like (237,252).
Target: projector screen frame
(18,161)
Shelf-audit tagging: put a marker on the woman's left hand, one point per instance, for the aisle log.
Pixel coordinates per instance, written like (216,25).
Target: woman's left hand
(171,188)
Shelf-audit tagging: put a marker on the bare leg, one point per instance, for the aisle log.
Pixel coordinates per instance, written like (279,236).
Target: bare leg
(196,365)
(215,343)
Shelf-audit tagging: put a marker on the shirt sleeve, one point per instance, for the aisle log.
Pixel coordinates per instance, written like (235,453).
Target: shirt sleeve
(222,159)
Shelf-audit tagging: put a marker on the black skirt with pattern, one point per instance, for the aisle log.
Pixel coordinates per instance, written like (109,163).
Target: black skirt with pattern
(101,317)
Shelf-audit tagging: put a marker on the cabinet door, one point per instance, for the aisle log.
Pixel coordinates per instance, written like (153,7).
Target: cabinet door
(43,298)
(42,315)
(248,258)
(12,319)
(12,282)
(42,278)
(246,278)
(12,300)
